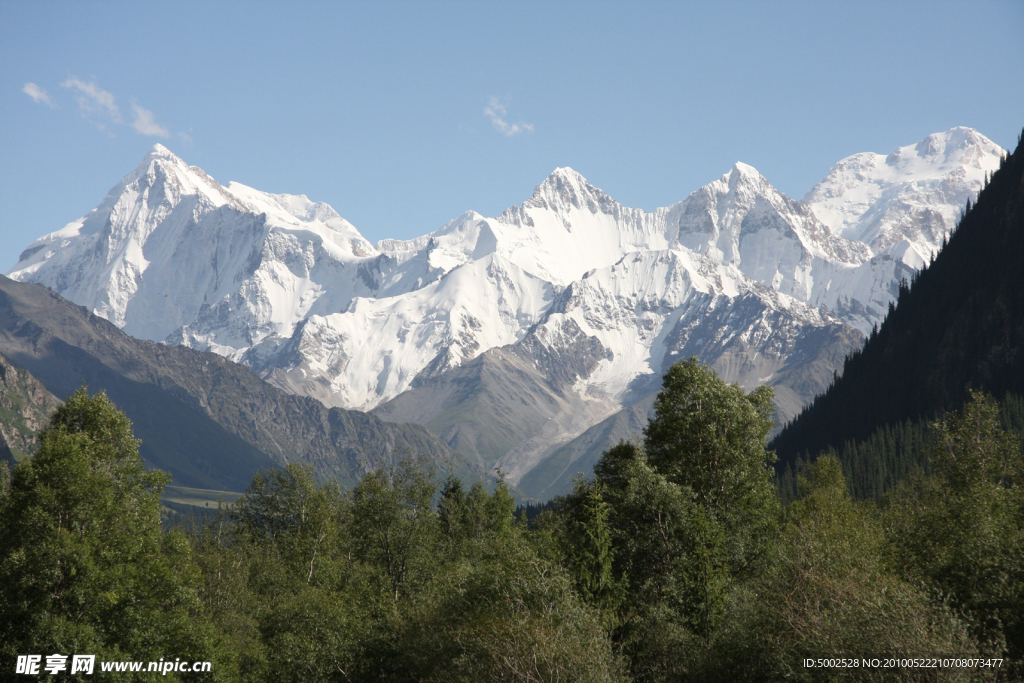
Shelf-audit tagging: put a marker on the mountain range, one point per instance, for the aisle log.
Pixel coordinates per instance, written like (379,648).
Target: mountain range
(208,421)
(528,340)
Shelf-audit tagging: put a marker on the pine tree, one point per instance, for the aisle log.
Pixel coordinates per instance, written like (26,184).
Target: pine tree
(590,553)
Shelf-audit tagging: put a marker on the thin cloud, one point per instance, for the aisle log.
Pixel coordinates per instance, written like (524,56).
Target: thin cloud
(145,124)
(496,112)
(38,95)
(94,100)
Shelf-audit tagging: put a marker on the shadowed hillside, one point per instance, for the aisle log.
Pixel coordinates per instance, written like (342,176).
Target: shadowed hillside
(958,326)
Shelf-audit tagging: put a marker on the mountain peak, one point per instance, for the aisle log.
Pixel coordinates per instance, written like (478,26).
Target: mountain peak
(564,188)
(190,178)
(882,200)
(745,169)
(741,172)
(961,136)
(745,175)
(568,172)
(160,150)
(949,145)
(564,176)
(157,153)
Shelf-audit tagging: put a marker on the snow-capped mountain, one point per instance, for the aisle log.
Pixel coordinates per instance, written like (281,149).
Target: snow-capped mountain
(169,242)
(905,203)
(755,283)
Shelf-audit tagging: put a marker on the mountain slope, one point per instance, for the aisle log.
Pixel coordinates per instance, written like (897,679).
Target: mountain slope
(510,405)
(555,474)
(208,421)
(513,406)
(958,326)
(25,409)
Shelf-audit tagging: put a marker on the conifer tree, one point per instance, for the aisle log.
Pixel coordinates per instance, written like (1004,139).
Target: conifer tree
(590,552)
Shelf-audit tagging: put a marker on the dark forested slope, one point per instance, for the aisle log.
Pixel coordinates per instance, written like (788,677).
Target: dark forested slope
(958,326)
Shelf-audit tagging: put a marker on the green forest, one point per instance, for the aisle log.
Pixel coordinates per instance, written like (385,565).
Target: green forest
(677,561)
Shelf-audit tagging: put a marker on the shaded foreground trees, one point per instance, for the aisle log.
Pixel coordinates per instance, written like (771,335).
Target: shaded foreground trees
(84,565)
(676,562)
(382,584)
(706,577)
(961,531)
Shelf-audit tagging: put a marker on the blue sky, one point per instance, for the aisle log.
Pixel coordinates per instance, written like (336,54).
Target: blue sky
(404,115)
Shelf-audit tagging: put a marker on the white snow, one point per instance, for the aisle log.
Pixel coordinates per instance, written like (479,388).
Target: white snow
(287,285)
(915,194)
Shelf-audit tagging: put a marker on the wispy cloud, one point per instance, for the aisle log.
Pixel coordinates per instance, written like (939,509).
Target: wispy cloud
(100,108)
(145,124)
(38,94)
(94,100)
(496,112)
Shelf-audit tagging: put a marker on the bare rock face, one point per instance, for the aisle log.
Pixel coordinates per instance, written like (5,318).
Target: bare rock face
(25,409)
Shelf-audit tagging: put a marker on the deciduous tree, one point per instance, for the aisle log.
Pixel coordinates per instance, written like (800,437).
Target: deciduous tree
(84,565)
